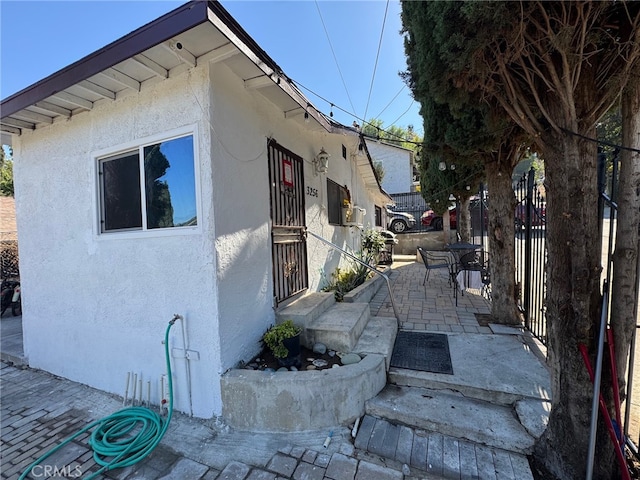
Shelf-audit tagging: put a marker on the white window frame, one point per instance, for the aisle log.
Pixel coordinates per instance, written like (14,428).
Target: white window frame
(138,146)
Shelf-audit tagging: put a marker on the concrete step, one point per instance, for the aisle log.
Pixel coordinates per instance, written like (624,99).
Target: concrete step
(340,327)
(475,359)
(306,309)
(378,337)
(438,455)
(451,413)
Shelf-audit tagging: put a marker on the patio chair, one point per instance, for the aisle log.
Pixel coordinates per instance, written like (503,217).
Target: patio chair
(434,262)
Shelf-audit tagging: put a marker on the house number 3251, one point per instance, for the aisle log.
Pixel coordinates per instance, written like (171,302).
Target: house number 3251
(312,192)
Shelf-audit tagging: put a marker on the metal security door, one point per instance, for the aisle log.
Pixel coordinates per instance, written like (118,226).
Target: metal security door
(288,229)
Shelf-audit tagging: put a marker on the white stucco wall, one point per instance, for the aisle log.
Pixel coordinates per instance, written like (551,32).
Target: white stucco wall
(96,305)
(243,121)
(398,172)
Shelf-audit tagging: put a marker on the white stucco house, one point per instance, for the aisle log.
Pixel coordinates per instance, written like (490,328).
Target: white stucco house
(397,163)
(175,170)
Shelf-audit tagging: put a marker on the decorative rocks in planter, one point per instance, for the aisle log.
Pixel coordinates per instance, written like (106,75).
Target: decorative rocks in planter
(319,348)
(350,358)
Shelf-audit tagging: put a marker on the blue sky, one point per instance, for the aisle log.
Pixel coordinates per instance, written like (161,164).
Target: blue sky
(39,38)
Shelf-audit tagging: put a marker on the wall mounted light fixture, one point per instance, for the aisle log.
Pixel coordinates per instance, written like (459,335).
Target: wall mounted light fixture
(321,161)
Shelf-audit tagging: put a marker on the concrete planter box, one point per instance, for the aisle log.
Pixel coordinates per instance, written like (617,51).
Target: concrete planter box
(365,292)
(296,401)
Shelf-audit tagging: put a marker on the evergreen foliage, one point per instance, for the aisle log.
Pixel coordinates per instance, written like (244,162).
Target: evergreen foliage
(6,173)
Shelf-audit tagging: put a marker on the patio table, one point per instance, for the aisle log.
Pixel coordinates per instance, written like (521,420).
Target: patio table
(460,248)
(460,280)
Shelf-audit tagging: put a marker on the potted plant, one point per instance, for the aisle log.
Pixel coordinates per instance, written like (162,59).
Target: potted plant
(284,342)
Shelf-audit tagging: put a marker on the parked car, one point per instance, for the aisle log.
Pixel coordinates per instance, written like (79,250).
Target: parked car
(433,220)
(399,222)
(538,215)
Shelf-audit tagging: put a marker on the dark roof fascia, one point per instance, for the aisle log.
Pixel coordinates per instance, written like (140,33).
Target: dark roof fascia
(229,27)
(160,30)
(219,11)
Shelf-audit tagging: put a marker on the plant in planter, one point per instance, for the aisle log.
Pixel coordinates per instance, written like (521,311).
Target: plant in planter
(284,341)
(355,274)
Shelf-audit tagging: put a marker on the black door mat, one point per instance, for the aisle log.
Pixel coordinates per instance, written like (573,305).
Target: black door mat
(427,352)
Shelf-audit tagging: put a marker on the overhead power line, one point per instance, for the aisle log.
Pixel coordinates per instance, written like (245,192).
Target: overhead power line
(375,66)
(334,55)
(395,96)
(600,142)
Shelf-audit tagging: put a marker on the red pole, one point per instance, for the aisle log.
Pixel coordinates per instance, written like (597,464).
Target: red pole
(605,413)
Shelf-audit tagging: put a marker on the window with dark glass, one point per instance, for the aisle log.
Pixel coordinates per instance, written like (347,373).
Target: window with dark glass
(157,192)
(378,211)
(336,196)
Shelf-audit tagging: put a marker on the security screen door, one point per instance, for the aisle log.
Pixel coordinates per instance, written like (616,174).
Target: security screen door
(288,229)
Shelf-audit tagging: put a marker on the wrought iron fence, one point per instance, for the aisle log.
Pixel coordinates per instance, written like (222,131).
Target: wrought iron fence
(531,253)
(414,204)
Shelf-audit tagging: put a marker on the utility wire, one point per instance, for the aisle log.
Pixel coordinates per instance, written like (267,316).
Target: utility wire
(600,142)
(364,122)
(391,134)
(375,66)
(396,96)
(334,56)
(405,112)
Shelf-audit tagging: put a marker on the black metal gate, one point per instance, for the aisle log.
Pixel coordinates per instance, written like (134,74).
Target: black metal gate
(531,253)
(288,229)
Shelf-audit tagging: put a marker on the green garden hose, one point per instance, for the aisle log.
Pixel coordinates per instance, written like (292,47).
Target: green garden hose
(125,437)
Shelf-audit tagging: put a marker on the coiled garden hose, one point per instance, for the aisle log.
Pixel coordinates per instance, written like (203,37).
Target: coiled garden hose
(113,443)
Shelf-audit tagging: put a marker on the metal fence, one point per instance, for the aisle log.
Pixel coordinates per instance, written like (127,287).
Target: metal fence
(414,204)
(531,253)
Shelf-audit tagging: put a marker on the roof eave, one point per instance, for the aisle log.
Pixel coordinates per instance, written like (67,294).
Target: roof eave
(162,29)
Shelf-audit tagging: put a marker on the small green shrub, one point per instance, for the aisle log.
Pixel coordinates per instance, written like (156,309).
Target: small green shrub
(345,280)
(276,334)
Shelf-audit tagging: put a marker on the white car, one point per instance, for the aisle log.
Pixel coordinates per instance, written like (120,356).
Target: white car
(399,222)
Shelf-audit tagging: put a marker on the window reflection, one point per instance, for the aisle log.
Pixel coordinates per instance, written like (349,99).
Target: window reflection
(169,187)
(170,184)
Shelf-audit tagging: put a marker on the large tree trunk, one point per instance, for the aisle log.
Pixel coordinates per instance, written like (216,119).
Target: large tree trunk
(624,292)
(501,233)
(447,235)
(573,300)
(464,220)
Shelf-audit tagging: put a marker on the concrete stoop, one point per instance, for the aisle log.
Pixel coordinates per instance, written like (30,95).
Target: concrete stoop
(340,327)
(347,326)
(480,422)
(436,455)
(378,337)
(499,369)
(315,399)
(450,413)
(306,309)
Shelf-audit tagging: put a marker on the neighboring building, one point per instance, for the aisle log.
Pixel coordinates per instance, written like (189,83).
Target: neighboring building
(8,239)
(173,171)
(398,165)
(8,227)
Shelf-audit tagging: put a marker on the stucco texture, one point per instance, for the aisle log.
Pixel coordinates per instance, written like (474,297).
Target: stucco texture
(96,305)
